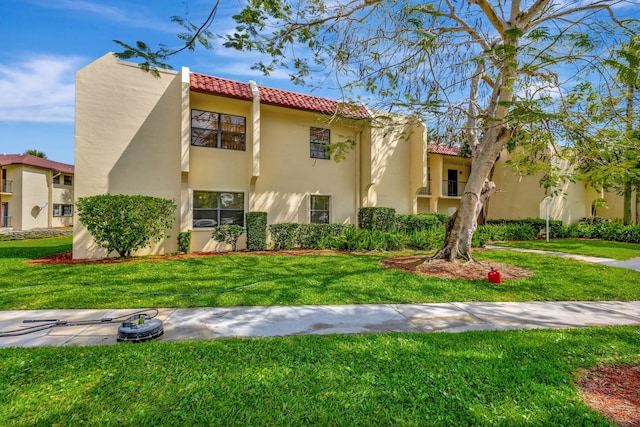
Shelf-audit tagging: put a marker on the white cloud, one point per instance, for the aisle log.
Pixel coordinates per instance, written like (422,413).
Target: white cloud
(130,14)
(39,89)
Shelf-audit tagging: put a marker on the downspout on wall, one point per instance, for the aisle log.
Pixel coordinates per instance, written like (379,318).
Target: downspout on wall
(255,144)
(1,190)
(185,145)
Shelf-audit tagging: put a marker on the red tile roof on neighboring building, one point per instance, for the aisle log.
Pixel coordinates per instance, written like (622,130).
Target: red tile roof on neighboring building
(444,150)
(272,96)
(28,159)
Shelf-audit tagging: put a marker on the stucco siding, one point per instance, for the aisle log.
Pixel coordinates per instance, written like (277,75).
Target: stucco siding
(128,139)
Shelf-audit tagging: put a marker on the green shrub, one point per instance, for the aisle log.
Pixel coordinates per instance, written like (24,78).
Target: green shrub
(426,239)
(505,232)
(184,242)
(283,235)
(228,233)
(122,223)
(256,231)
(377,218)
(538,225)
(313,236)
(419,222)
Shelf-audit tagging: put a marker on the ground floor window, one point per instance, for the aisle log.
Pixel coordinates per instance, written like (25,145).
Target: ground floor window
(319,209)
(213,208)
(5,219)
(62,210)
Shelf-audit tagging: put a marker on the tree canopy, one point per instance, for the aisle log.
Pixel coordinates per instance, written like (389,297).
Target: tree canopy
(36,153)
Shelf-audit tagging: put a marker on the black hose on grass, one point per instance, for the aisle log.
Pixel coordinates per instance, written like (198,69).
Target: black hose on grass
(158,294)
(53,323)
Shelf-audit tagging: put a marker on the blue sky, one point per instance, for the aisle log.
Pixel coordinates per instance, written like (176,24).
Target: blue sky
(44,43)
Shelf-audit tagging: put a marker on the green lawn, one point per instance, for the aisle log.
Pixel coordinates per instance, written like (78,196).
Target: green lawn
(285,280)
(600,248)
(516,378)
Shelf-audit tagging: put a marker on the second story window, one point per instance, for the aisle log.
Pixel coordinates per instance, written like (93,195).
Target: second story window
(68,180)
(56,179)
(320,139)
(217,130)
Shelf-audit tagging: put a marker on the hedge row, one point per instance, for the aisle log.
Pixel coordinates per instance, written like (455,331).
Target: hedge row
(420,231)
(290,235)
(531,229)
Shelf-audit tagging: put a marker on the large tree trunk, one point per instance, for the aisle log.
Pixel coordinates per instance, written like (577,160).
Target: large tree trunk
(638,204)
(626,216)
(463,223)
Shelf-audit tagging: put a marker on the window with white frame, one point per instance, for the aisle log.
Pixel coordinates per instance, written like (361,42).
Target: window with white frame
(213,208)
(216,130)
(319,209)
(319,143)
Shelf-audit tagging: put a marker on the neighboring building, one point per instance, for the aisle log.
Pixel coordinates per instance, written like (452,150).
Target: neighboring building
(35,193)
(220,148)
(523,197)
(447,175)
(515,197)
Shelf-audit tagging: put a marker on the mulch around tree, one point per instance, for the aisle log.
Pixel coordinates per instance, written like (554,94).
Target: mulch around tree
(473,270)
(612,390)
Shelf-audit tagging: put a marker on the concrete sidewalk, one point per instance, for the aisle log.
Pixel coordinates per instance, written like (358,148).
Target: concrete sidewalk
(220,322)
(633,263)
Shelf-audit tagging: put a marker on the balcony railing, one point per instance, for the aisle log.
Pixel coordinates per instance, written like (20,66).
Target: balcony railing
(425,191)
(453,188)
(6,186)
(5,222)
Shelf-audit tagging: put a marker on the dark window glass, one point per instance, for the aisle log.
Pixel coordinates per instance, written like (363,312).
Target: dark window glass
(217,130)
(212,208)
(320,139)
(67,180)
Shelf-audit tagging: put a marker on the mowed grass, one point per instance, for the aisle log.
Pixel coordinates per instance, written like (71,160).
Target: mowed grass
(515,378)
(521,378)
(246,280)
(600,248)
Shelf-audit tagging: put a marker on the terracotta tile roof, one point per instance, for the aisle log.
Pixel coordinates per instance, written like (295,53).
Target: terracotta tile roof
(443,149)
(283,98)
(271,96)
(218,86)
(28,159)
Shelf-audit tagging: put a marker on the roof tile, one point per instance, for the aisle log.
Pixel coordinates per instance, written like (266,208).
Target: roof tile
(218,86)
(28,159)
(272,96)
(444,150)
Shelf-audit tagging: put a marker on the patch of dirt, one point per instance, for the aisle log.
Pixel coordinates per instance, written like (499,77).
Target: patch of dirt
(475,270)
(613,390)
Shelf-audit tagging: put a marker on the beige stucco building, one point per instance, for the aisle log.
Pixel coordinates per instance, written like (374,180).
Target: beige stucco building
(35,193)
(519,197)
(220,148)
